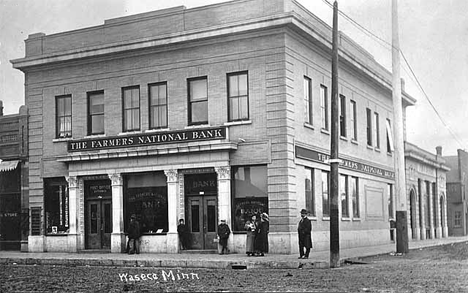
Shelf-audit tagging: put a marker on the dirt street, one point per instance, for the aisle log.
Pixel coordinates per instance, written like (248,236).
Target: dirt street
(437,269)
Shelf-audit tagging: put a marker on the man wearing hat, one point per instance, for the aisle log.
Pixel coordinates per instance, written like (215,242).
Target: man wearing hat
(304,231)
(223,234)
(134,234)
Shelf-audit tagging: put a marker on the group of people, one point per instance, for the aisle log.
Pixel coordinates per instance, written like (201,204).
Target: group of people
(257,235)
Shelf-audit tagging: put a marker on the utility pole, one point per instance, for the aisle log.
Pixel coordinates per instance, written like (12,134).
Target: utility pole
(334,162)
(399,154)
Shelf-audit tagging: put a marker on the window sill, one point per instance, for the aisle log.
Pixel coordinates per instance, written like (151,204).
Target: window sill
(240,122)
(130,132)
(369,147)
(346,219)
(389,154)
(354,141)
(308,125)
(356,219)
(197,126)
(95,136)
(377,150)
(156,130)
(325,218)
(344,138)
(312,218)
(325,131)
(62,139)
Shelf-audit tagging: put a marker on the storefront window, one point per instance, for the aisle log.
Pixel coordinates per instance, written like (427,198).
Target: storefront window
(56,205)
(146,197)
(250,194)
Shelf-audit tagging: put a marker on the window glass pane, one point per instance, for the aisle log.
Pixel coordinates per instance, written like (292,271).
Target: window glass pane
(96,104)
(94,218)
(198,90)
(250,193)
(325,198)
(199,112)
(67,106)
(309,191)
(243,84)
(97,123)
(233,85)
(355,196)
(195,211)
(108,217)
(56,205)
(211,216)
(344,196)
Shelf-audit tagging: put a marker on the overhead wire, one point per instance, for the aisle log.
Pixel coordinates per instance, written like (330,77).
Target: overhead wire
(412,75)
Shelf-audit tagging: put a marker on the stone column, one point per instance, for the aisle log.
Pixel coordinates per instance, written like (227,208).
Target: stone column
(444,217)
(73,214)
(224,199)
(431,212)
(118,239)
(172,212)
(422,216)
(438,216)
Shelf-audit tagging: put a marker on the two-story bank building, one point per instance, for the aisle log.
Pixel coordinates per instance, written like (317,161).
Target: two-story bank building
(203,114)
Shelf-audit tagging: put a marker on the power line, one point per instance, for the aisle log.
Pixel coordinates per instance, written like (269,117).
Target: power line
(412,75)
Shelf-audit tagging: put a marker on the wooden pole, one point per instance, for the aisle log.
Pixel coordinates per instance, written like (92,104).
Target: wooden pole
(399,154)
(334,162)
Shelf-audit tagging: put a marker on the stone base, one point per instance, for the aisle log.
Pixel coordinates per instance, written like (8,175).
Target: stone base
(24,245)
(73,242)
(118,242)
(172,242)
(36,243)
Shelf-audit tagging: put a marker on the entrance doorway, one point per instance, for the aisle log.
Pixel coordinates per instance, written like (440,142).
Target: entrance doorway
(98,214)
(202,215)
(201,193)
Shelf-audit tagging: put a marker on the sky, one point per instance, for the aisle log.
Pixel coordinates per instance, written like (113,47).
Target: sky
(433,39)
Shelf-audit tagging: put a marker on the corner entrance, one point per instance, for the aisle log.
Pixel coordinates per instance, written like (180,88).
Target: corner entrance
(98,214)
(201,192)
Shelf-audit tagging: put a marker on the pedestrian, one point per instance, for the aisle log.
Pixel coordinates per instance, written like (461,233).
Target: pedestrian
(183,234)
(304,231)
(261,237)
(134,234)
(223,234)
(250,240)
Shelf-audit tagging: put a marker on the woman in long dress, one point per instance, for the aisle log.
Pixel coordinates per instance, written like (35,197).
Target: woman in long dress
(250,241)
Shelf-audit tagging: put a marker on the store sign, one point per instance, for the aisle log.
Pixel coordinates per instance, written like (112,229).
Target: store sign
(312,155)
(147,139)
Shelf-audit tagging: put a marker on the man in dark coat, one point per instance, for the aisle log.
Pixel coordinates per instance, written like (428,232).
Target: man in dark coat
(304,231)
(261,238)
(223,234)
(183,234)
(134,234)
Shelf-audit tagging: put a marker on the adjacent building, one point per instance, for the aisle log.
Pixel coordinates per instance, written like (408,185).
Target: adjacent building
(426,177)
(457,180)
(209,113)
(14,215)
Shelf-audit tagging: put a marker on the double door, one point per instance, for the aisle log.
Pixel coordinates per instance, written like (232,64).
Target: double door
(203,219)
(98,224)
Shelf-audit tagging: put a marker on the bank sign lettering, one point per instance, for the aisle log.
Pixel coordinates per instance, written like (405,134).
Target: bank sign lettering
(312,155)
(147,139)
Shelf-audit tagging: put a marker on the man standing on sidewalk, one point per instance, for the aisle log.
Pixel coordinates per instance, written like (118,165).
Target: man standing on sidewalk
(304,231)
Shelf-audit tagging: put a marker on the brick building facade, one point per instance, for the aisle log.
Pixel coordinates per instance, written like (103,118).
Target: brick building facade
(210,113)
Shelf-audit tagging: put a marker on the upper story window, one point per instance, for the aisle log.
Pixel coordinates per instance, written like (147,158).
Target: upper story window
(391,214)
(131,108)
(95,113)
(238,96)
(353,120)
(388,126)
(369,126)
(342,116)
(376,130)
(158,105)
(308,100)
(324,106)
(63,117)
(198,100)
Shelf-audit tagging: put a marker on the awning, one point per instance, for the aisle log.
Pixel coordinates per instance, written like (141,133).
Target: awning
(8,165)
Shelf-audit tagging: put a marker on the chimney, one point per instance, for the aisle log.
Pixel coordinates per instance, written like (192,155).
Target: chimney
(1,108)
(439,150)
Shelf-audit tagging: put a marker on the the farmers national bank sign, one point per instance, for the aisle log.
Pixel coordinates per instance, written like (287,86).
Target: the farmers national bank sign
(147,139)
(312,155)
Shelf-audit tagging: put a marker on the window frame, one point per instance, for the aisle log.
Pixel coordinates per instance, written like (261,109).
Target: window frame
(457,219)
(59,116)
(376,130)
(308,101)
(238,97)
(152,107)
(369,127)
(189,102)
(355,197)
(325,203)
(124,109)
(353,121)
(391,200)
(63,209)
(343,130)
(90,96)
(310,193)
(345,189)
(324,107)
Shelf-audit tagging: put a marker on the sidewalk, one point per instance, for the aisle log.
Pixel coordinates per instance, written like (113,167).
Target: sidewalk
(317,259)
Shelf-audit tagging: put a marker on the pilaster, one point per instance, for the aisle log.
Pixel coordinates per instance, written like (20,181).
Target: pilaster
(172,200)
(73,213)
(224,197)
(118,242)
